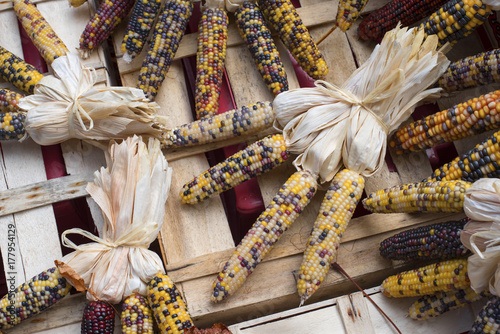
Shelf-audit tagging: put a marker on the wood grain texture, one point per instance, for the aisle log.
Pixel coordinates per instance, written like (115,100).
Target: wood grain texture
(43,193)
(354,313)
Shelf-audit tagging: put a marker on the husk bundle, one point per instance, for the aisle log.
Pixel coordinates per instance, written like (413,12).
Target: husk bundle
(330,127)
(131,191)
(482,235)
(67,105)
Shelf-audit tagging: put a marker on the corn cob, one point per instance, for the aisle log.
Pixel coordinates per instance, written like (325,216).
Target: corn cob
(136,315)
(138,28)
(167,35)
(168,307)
(98,317)
(348,12)
(480,162)
(463,120)
(419,197)
(32,297)
(9,100)
(456,20)
(19,73)
(284,19)
(437,241)
(442,276)
(430,306)
(39,31)
(285,207)
(210,58)
(76,3)
(12,125)
(258,158)
(335,213)
(408,12)
(260,43)
(233,123)
(109,14)
(488,319)
(480,69)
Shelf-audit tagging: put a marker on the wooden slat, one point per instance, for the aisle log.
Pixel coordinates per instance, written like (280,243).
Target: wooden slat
(354,313)
(43,193)
(324,318)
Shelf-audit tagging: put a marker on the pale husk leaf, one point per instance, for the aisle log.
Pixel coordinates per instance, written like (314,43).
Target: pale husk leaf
(482,234)
(494,4)
(373,102)
(67,105)
(131,191)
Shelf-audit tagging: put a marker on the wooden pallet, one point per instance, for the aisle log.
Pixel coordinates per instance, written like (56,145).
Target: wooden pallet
(196,240)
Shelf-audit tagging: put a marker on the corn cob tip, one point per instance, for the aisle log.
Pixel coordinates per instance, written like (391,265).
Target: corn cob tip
(84,53)
(127,57)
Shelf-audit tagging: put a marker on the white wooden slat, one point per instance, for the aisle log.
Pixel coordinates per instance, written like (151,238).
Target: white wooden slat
(354,313)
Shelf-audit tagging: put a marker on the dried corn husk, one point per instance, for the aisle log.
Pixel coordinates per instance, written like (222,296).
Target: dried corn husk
(494,4)
(482,235)
(67,105)
(131,193)
(330,127)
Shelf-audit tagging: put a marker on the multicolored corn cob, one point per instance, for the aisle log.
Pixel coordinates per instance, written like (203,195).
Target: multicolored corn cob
(168,307)
(260,43)
(137,316)
(98,317)
(256,159)
(12,125)
(210,58)
(437,241)
(480,162)
(442,276)
(76,3)
(456,20)
(16,71)
(348,12)
(477,70)
(284,19)
(430,306)
(408,12)
(285,207)
(488,319)
(32,297)
(9,100)
(438,196)
(109,14)
(138,28)
(463,120)
(39,31)
(335,213)
(167,35)
(233,123)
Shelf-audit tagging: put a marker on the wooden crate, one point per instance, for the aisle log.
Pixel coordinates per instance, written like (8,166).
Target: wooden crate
(24,181)
(196,240)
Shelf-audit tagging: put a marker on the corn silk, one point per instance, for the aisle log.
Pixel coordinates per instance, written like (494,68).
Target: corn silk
(68,105)
(329,127)
(482,235)
(131,192)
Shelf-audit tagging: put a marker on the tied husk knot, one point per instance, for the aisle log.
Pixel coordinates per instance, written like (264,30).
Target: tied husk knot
(68,105)
(330,127)
(482,235)
(131,192)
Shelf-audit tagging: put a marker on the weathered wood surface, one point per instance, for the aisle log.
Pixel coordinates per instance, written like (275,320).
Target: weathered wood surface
(354,312)
(325,318)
